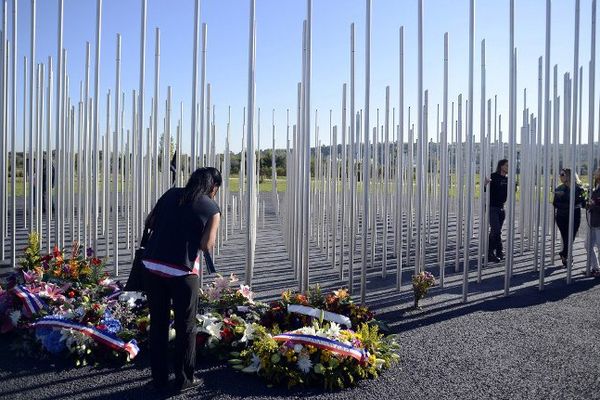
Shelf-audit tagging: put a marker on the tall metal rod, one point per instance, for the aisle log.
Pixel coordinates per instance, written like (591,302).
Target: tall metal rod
(365,175)
(194,128)
(306,161)
(547,138)
(140,124)
(115,161)
(251,188)
(591,114)
(512,138)
(95,123)
(49,164)
(399,167)
(14,132)
(443,224)
(32,173)
(386,183)
(419,262)
(482,169)
(353,190)
(573,145)
(202,100)
(154,182)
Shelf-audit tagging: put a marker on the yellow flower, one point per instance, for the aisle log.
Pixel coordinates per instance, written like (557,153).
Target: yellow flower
(341,294)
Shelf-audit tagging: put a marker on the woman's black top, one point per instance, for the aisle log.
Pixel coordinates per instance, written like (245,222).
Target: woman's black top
(177,229)
(561,199)
(498,190)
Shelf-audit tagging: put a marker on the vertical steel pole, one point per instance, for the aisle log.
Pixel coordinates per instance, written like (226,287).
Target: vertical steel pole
(14,132)
(32,171)
(154,182)
(482,168)
(386,182)
(573,145)
(443,226)
(95,122)
(400,161)
(511,157)
(194,128)
(353,189)
(251,189)
(591,114)
(420,149)
(115,160)
(365,177)
(140,123)
(202,100)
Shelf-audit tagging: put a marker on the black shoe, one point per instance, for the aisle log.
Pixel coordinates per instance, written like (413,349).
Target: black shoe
(187,386)
(500,255)
(493,258)
(564,261)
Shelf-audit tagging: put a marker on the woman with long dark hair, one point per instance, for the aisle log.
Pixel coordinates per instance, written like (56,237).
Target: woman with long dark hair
(183,223)
(562,195)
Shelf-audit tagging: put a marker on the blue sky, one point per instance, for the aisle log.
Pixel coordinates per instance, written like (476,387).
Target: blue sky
(278,65)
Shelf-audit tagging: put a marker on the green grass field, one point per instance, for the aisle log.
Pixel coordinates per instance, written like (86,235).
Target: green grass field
(266,186)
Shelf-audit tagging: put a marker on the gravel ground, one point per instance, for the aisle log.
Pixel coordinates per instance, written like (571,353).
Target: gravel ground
(531,345)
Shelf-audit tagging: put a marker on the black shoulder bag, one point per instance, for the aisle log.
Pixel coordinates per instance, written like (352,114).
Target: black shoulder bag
(135,282)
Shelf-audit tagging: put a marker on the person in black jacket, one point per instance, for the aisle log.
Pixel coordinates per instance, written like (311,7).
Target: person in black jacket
(183,223)
(498,182)
(593,209)
(561,200)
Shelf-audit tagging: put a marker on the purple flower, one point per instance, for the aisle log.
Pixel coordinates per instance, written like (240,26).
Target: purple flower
(89,252)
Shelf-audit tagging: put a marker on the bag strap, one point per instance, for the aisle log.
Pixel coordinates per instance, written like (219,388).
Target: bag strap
(145,238)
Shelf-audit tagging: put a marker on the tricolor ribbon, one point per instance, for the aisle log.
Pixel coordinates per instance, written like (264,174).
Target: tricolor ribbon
(114,294)
(97,335)
(31,302)
(324,343)
(321,314)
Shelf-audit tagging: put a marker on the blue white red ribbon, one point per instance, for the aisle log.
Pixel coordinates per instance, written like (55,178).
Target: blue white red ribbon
(97,335)
(324,343)
(114,294)
(31,302)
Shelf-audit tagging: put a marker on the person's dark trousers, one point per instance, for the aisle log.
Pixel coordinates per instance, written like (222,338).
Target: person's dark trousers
(562,222)
(497,216)
(183,292)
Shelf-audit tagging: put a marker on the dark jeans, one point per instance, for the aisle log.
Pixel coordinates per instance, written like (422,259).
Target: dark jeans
(562,221)
(183,292)
(497,216)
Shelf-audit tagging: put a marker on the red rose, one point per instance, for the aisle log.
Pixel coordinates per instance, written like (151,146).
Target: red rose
(96,261)
(227,335)
(71,294)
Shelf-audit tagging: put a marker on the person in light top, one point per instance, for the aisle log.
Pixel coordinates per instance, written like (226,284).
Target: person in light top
(183,224)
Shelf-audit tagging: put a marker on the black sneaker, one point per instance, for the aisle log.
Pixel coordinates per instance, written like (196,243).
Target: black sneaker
(187,386)
(500,255)
(492,258)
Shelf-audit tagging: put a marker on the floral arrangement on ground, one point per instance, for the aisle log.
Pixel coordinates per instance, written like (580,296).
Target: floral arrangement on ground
(65,305)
